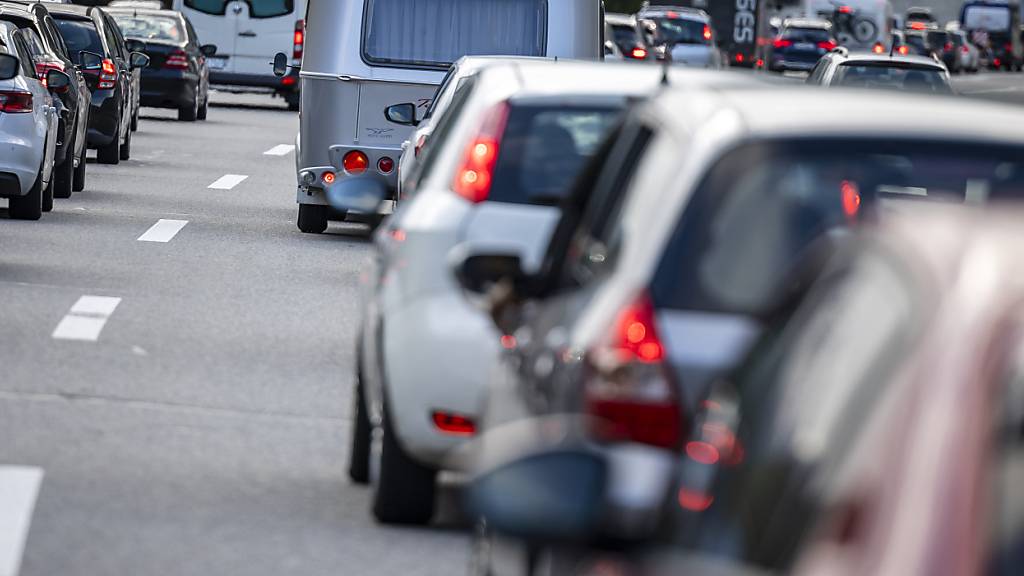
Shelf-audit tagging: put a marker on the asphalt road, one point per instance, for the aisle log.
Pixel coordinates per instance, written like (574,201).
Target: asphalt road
(176,368)
(205,429)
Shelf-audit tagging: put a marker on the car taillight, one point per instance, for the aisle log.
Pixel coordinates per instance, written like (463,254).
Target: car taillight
(628,391)
(385,165)
(178,60)
(779,43)
(476,173)
(827,45)
(299,39)
(948,47)
(108,75)
(965,49)
(878,48)
(15,102)
(44,66)
(739,58)
(707,32)
(355,162)
(903,50)
(638,53)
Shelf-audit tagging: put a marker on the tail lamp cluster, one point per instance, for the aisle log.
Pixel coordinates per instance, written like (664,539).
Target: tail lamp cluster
(15,102)
(107,75)
(354,163)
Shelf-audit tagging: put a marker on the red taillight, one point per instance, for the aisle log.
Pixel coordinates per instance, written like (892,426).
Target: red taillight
(707,32)
(948,47)
(628,392)
(845,10)
(299,39)
(779,43)
(878,48)
(997,62)
(385,165)
(108,75)
(827,45)
(917,26)
(355,162)
(903,50)
(965,49)
(639,53)
(15,102)
(739,58)
(329,178)
(44,66)
(850,197)
(178,60)
(289,81)
(474,177)
(454,424)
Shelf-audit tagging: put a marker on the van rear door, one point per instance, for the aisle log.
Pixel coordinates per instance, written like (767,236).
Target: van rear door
(264,28)
(215,23)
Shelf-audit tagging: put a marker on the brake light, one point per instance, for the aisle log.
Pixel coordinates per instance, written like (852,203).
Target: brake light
(903,50)
(639,53)
(474,177)
(707,32)
(15,102)
(628,392)
(385,165)
(845,10)
(997,62)
(454,424)
(827,45)
(850,197)
(948,47)
(108,75)
(739,58)
(965,49)
(878,48)
(355,162)
(44,66)
(917,26)
(299,39)
(178,60)
(779,43)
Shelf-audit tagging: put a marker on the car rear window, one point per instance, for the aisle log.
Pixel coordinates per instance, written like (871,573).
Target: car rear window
(760,208)
(625,36)
(810,35)
(899,77)
(544,148)
(680,31)
(150,27)
(80,35)
(435,33)
(257,8)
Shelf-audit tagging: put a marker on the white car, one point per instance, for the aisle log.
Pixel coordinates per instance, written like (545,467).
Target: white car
(28,126)
(505,152)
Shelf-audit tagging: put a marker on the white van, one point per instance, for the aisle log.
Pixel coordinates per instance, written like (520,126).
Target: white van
(362,56)
(247,34)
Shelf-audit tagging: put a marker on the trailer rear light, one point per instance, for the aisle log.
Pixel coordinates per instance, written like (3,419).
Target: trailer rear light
(15,102)
(299,39)
(329,178)
(639,53)
(628,390)
(355,162)
(779,43)
(178,60)
(827,45)
(108,75)
(454,424)
(474,177)
(385,165)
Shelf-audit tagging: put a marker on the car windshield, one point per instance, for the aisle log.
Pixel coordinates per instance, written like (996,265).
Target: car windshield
(893,77)
(543,149)
(435,33)
(681,31)
(147,27)
(80,35)
(809,35)
(762,205)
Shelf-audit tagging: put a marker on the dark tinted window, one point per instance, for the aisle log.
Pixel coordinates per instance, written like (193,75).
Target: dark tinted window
(680,31)
(544,148)
(809,35)
(257,8)
(80,35)
(625,36)
(885,75)
(761,206)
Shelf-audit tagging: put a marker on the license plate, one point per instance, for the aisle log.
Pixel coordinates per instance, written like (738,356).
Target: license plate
(217,63)
(804,46)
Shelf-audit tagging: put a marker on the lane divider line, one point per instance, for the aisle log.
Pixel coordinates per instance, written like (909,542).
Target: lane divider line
(19,489)
(163,231)
(86,319)
(280,150)
(227,182)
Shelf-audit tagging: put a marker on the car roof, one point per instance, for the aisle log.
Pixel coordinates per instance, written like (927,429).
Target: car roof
(71,9)
(141,11)
(16,9)
(807,23)
(915,59)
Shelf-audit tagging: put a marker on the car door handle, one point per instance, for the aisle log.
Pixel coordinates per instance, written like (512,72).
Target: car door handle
(247,34)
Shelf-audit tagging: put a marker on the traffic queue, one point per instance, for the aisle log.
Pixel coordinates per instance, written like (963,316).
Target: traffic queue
(665,318)
(73,78)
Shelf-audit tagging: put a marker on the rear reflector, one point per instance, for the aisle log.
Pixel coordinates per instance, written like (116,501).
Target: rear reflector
(355,162)
(385,165)
(454,424)
(15,102)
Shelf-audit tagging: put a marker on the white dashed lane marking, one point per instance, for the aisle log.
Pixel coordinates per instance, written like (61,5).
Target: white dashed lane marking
(19,488)
(228,181)
(163,231)
(280,150)
(86,319)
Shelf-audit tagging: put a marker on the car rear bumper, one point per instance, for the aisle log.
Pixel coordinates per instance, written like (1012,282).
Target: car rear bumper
(169,89)
(336,154)
(20,160)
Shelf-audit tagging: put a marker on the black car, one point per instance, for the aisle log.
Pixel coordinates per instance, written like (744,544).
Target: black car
(49,52)
(800,45)
(177,76)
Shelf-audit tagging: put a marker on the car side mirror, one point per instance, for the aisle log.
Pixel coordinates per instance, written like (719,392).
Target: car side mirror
(90,60)
(57,81)
(356,194)
(403,114)
(280,64)
(9,66)
(209,49)
(478,273)
(138,60)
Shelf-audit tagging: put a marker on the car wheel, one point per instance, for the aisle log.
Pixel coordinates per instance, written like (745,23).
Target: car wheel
(79,181)
(126,148)
(48,195)
(190,112)
(362,436)
(135,121)
(111,153)
(312,218)
(29,206)
(293,100)
(204,109)
(64,175)
(404,492)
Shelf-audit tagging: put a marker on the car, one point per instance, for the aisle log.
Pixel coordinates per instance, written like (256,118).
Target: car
(685,235)
(946,49)
(247,35)
(502,156)
(800,45)
(28,126)
(115,86)
(994,26)
(380,63)
(627,36)
(612,52)
(684,34)
(919,17)
(968,53)
(178,76)
(49,51)
(891,72)
(918,44)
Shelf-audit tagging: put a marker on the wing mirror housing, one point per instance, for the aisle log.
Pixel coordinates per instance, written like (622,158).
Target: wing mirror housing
(57,81)
(280,63)
(90,60)
(478,273)
(138,60)
(403,114)
(209,49)
(9,66)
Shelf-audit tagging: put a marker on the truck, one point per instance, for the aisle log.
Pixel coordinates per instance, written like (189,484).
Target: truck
(741,27)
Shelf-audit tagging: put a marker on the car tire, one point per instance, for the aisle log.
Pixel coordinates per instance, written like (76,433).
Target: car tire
(135,121)
(79,179)
(203,109)
(293,100)
(126,148)
(111,153)
(64,175)
(362,436)
(190,112)
(29,206)
(48,195)
(404,492)
(312,218)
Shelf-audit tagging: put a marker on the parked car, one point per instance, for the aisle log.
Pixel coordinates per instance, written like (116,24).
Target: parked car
(49,51)
(115,86)
(882,71)
(385,63)
(666,266)
(627,36)
(177,76)
(28,127)
(800,45)
(686,34)
(503,156)
(247,35)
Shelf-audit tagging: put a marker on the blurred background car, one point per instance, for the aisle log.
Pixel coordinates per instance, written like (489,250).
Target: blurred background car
(627,36)
(882,71)
(177,76)
(995,27)
(685,34)
(918,44)
(945,48)
(969,55)
(800,45)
